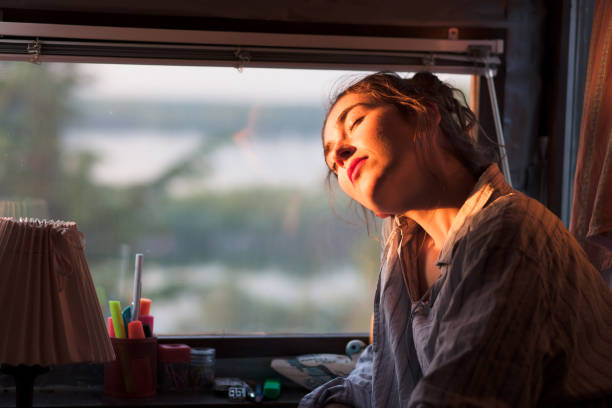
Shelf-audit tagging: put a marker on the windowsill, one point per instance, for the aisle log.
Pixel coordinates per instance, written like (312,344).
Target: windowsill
(267,345)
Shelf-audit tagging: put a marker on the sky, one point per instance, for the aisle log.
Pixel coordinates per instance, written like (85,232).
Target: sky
(220,83)
(294,86)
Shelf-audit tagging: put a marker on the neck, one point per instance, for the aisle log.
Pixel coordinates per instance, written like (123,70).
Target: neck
(435,222)
(437,219)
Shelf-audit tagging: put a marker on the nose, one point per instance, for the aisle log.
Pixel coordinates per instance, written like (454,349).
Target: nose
(343,154)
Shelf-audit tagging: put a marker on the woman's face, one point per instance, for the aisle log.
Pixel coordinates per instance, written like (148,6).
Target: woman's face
(371,148)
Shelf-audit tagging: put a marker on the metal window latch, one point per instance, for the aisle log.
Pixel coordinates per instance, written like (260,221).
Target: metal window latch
(243,59)
(429,60)
(34,49)
(498,125)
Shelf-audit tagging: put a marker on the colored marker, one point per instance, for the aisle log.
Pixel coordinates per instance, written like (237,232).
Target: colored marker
(135,330)
(145,306)
(115,309)
(127,315)
(110,328)
(147,330)
(147,319)
(137,286)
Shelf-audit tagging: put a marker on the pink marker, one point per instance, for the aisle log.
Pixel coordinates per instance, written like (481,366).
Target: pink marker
(147,319)
(110,327)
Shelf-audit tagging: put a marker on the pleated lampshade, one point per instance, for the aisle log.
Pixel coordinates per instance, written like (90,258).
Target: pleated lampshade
(50,310)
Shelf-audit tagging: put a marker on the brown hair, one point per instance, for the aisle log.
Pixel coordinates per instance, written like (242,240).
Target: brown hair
(414,96)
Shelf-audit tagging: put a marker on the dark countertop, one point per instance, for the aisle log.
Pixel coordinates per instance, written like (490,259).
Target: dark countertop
(94,397)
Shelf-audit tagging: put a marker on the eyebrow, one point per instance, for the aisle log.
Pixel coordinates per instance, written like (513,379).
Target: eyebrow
(341,118)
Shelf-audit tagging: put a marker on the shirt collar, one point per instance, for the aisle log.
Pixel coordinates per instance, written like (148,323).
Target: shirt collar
(491,181)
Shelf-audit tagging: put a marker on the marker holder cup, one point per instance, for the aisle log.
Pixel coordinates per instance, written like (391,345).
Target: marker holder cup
(133,373)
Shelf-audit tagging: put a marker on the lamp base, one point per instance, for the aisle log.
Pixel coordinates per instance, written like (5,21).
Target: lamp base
(24,381)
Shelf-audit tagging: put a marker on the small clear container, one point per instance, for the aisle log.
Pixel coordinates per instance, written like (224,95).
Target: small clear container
(202,368)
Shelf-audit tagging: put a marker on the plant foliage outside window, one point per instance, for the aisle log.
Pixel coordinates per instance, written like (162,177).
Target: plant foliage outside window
(225,195)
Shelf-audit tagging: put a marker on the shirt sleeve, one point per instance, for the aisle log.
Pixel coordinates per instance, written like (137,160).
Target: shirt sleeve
(354,390)
(492,336)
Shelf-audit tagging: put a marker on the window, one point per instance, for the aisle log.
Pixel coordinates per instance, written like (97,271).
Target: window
(215,174)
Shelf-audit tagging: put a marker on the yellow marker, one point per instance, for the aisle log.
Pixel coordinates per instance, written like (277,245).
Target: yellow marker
(115,309)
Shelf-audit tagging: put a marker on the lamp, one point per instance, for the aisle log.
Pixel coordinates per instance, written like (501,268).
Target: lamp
(50,311)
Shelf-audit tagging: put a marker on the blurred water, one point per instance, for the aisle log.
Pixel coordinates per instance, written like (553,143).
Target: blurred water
(212,297)
(129,157)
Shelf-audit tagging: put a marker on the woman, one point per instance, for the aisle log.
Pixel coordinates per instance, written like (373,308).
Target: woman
(484,298)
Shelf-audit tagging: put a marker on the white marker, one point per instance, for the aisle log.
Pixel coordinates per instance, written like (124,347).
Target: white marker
(137,287)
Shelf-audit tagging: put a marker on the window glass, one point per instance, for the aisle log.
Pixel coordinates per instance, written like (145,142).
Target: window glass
(215,175)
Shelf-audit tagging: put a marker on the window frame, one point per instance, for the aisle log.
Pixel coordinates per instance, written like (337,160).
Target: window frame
(44,42)
(38,43)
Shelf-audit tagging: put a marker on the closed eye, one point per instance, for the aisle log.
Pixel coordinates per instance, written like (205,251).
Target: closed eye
(356,122)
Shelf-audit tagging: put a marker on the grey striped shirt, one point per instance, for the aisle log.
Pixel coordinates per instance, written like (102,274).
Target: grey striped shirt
(519,317)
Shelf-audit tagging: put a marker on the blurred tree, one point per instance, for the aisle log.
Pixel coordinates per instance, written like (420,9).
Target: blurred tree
(33,108)
(254,228)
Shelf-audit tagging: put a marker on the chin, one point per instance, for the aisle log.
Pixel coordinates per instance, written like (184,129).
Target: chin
(379,194)
(382,200)
(368,195)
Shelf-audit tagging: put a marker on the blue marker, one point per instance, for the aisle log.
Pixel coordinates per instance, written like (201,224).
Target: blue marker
(127,315)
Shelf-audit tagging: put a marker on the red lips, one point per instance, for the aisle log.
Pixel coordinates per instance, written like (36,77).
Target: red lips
(354,167)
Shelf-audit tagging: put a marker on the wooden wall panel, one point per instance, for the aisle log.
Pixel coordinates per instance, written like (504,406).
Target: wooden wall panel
(387,12)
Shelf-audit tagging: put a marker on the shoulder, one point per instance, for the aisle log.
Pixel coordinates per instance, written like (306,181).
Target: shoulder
(515,228)
(518,222)
(501,247)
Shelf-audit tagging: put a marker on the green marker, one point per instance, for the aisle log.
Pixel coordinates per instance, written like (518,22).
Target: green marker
(115,309)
